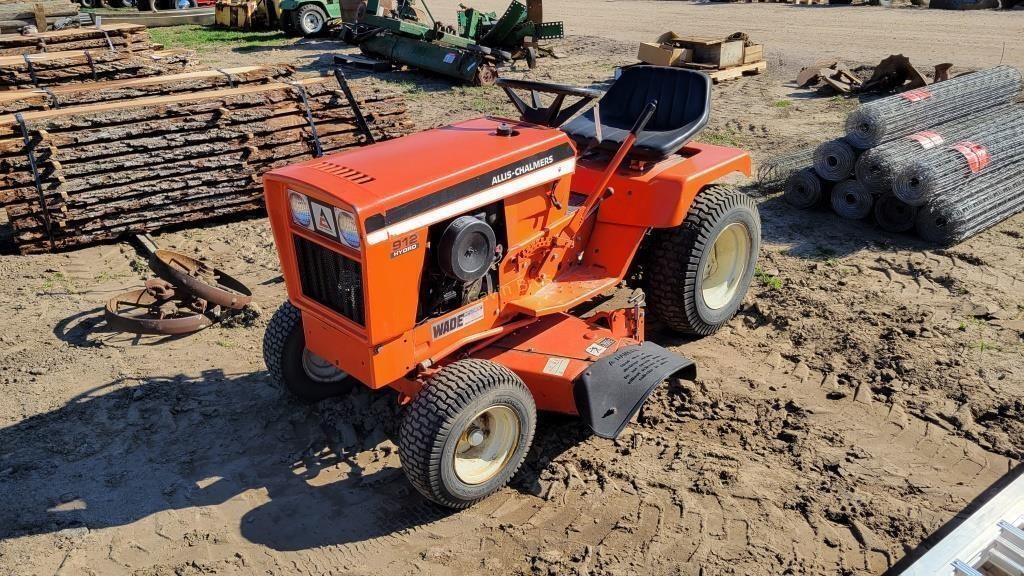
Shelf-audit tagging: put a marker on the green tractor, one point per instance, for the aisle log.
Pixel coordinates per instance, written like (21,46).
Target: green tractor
(312,17)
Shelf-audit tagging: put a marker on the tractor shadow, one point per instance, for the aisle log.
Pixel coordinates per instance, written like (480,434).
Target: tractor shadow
(135,448)
(299,476)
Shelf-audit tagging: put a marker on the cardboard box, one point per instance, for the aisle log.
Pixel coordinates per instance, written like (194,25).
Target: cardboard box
(661,55)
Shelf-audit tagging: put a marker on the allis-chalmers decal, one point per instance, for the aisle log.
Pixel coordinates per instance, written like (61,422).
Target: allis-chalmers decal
(457,322)
(521,170)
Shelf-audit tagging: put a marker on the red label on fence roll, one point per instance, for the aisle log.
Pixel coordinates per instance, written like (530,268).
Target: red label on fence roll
(927,139)
(916,95)
(976,155)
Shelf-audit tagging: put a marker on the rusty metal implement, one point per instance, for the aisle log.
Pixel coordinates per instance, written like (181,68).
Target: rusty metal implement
(197,277)
(159,308)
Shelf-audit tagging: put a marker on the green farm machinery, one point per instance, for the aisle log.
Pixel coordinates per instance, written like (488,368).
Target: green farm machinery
(470,51)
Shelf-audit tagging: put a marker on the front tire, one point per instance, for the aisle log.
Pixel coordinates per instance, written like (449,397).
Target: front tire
(697,273)
(293,367)
(310,20)
(466,433)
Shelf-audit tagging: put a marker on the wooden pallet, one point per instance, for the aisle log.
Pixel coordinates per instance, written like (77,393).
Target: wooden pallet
(731,73)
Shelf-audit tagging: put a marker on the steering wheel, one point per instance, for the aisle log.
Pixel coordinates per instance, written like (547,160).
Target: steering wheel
(552,115)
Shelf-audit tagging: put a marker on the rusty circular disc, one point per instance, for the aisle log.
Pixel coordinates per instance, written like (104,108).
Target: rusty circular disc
(201,279)
(143,312)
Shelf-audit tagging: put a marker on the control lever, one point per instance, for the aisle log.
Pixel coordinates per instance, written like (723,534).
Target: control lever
(599,192)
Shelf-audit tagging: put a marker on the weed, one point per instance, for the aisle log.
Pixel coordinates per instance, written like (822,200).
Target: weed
(770,281)
(226,343)
(782,103)
(985,346)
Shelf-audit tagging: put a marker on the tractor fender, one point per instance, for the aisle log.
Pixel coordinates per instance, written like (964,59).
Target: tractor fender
(332,9)
(660,197)
(613,389)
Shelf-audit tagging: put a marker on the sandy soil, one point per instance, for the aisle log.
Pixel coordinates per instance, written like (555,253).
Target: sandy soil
(868,391)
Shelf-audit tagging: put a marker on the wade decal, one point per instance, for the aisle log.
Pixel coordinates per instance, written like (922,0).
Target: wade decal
(457,322)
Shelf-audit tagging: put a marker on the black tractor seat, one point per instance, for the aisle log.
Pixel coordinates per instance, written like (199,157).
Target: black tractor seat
(684,106)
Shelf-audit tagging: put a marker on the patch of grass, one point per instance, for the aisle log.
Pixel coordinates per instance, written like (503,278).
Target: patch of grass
(226,344)
(408,87)
(56,279)
(770,281)
(204,38)
(720,137)
(782,103)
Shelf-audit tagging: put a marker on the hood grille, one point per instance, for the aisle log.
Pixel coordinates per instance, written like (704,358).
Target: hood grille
(343,172)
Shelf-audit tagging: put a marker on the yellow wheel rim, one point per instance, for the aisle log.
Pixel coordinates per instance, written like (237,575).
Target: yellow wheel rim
(486,445)
(725,266)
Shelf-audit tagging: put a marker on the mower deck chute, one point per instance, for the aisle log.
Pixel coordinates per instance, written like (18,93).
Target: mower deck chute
(614,388)
(451,265)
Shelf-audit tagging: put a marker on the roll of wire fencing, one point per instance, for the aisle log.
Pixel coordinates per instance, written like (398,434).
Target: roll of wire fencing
(877,168)
(914,110)
(834,160)
(981,203)
(893,214)
(804,189)
(991,146)
(852,200)
(773,174)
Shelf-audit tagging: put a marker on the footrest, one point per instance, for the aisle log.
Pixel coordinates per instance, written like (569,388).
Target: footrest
(565,291)
(612,390)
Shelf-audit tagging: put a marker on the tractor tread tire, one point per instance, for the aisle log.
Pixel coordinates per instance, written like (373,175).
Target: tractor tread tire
(674,260)
(297,20)
(282,323)
(284,363)
(430,418)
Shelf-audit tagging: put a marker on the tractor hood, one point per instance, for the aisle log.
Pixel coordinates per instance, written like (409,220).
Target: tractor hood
(406,183)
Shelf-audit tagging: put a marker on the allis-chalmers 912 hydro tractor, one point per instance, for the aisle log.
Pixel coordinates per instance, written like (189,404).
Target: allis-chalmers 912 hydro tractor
(457,265)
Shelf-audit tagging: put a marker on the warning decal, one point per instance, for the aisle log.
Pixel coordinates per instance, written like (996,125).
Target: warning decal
(556,366)
(599,348)
(323,219)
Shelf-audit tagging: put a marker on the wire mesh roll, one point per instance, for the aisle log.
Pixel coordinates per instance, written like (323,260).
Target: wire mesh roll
(994,144)
(893,214)
(803,189)
(773,174)
(850,199)
(894,116)
(982,203)
(834,160)
(876,168)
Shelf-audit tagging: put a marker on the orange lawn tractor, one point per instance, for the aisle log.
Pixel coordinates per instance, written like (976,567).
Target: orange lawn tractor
(456,266)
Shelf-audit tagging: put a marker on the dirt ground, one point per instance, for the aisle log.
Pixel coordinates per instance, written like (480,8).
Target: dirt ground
(870,388)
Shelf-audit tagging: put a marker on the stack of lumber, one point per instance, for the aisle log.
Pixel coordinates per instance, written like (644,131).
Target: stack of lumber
(119,37)
(16,14)
(54,68)
(145,164)
(31,99)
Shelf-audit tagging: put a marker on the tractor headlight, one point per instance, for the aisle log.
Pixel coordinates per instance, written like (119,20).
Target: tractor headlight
(347,230)
(299,205)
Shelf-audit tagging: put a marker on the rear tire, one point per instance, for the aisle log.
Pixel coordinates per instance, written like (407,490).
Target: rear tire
(466,433)
(294,368)
(698,273)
